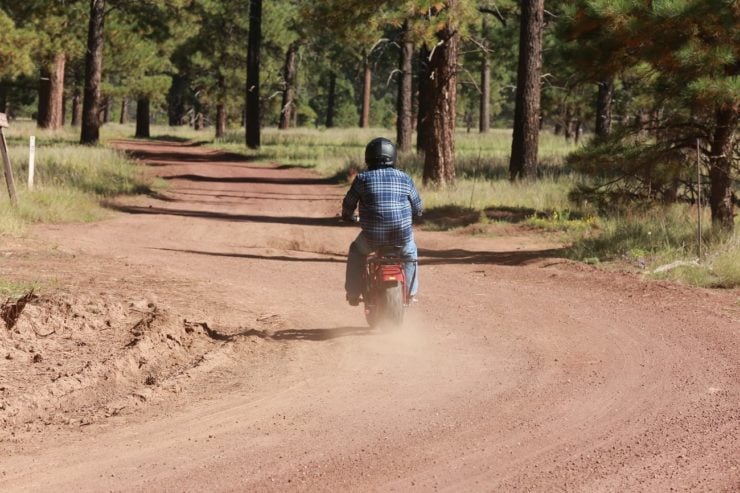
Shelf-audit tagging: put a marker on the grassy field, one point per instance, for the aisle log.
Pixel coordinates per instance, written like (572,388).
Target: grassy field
(72,180)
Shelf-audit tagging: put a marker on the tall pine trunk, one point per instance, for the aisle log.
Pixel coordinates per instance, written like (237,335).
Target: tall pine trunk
(51,94)
(176,100)
(124,111)
(76,106)
(289,76)
(367,81)
(253,75)
(484,123)
(42,111)
(604,108)
(331,100)
(424,102)
(720,171)
(220,120)
(405,88)
(93,73)
(107,103)
(439,148)
(64,108)
(3,99)
(142,118)
(523,163)
(221,107)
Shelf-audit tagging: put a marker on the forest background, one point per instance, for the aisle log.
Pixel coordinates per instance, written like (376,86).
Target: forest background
(611,124)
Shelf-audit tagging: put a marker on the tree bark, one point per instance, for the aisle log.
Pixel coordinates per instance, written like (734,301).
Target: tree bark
(331,100)
(76,107)
(642,122)
(198,121)
(405,86)
(367,81)
(568,124)
(424,102)
(3,99)
(175,101)
(43,109)
(51,94)
(253,74)
(124,111)
(142,118)
(720,171)
(523,163)
(289,76)
(484,123)
(221,113)
(439,149)
(93,72)
(604,108)
(220,120)
(107,102)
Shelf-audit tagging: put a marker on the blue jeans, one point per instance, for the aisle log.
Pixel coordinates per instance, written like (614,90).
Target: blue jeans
(358,252)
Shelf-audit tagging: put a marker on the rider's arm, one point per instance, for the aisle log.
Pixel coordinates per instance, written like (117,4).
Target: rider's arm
(349,204)
(416,205)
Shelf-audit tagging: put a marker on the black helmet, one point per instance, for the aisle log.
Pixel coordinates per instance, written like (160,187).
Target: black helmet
(380,153)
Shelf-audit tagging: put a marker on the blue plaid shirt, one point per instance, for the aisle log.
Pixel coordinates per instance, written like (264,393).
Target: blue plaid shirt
(387,198)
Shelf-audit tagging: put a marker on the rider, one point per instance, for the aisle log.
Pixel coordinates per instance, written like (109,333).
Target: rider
(388,201)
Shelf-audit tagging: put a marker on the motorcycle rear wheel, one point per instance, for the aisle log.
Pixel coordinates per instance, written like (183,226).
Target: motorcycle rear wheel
(387,307)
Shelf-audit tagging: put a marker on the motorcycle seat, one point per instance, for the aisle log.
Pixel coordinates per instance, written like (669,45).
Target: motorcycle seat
(389,251)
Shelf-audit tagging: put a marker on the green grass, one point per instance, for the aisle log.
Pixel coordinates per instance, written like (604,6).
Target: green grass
(483,194)
(663,243)
(14,289)
(70,180)
(659,235)
(326,151)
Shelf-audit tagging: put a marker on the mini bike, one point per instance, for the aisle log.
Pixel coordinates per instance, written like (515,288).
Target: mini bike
(385,287)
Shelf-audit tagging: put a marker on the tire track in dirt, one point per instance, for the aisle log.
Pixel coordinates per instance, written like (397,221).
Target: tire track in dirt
(513,374)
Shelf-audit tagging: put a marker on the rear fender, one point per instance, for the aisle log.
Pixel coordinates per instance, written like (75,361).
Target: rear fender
(392,273)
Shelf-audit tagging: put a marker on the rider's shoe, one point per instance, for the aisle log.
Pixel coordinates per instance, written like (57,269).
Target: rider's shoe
(353,300)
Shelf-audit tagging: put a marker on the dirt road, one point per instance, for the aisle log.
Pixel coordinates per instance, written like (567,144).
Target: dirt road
(214,351)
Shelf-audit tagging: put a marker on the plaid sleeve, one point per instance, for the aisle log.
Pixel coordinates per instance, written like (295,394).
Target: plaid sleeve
(416,205)
(349,204)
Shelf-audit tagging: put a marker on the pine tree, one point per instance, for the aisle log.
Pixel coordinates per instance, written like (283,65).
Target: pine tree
(687,53)
(253,122)
(15,49)
(439,139)
(57,30)
(523,163)
(93,74)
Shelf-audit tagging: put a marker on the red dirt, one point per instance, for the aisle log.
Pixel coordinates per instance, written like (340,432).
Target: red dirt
(199,340)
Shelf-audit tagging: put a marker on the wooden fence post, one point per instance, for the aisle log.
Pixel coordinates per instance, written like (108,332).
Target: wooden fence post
(6,161)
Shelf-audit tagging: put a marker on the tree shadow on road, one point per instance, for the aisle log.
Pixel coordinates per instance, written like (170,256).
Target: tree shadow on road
(217,196)
(304,334)
(223,216)
(281,258)
(254,179)
(460,256)
(426,257)
(298,195)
